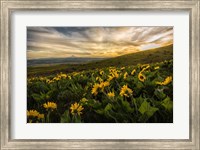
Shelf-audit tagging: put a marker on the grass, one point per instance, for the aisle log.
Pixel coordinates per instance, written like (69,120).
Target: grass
(148,56)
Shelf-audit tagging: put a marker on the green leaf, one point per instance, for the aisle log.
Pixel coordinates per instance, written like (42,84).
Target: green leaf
(36,97)
(76,119)
(160,94)
(147,109)
(127,106)
(99,111)
(65,118)
(167,103)
(108,107)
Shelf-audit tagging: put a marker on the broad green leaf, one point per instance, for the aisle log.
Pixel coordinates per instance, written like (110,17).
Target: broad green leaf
(127,106)
(167,103)
(160,94)
(65,118)
(36,97)
(108,107)
(147,109)
(76,119)
(100,111)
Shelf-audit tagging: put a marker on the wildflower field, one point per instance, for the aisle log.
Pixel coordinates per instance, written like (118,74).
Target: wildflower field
(141,93)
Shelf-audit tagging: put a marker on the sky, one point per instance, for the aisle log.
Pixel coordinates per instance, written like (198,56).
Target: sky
(95,42)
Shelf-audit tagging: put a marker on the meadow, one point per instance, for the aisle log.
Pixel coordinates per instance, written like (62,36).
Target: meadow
(134,88)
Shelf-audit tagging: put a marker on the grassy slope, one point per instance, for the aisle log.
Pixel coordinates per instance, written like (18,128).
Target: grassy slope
(148,56)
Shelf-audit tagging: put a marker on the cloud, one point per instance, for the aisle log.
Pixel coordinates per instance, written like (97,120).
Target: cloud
(44,42)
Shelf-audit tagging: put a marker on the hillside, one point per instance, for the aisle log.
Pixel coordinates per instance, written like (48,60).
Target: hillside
(148,56)
(143,57)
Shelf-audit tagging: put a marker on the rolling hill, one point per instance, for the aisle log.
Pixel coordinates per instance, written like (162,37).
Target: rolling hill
(142,57)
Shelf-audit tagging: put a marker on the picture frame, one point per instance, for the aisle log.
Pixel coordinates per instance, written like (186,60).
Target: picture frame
(9,7)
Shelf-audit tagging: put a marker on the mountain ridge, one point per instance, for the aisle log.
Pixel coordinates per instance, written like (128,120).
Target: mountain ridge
(142,57)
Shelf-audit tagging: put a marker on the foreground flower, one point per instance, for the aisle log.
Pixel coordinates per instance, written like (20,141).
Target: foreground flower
(111,94)
(50,105)
(106,83)
(56,78)
(125,91)
(48,81)
(95,89)
(40,116)
(62,75)
(32,113)
(141,77)
(76,109)
(99,79)
(166,81)
(101,72)
(145,67)
(114,73)
(133,72)
(122,68)
(110,78)
(125,75)
(102,85)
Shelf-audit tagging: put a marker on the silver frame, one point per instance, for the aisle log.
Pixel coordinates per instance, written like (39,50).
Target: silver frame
(10,6)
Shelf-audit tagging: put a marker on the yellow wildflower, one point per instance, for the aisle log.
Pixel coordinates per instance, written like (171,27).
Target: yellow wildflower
(113,73)
(40,116)
(49,81)
(42,78)
(110,78)
(35,114)
(166,81)
(83,100)
(111,94)
(145,66)
(76,108)
(106,83)
(95,89)
(141,77)
(133,72)
(63,75)
(125,91)
(103,84)
(122,68)
(50,105)
(32,113)
(56,78)
(101,72)
(98,78)
(156,67)
(125,75)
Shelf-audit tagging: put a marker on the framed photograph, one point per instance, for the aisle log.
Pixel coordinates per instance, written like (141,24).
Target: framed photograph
(100,74)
